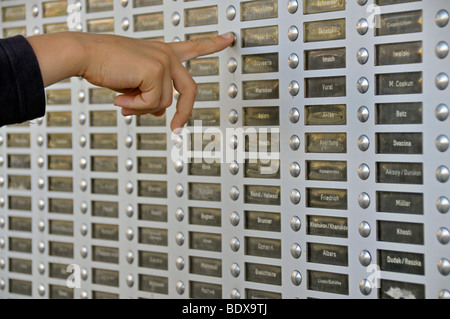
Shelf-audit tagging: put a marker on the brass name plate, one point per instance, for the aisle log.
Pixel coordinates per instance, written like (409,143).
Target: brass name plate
(201,16)
(208,92)
(20,287)
(325,59)
(399,23)
(259,9)
(400,232)
(102,118)
(60,206)
(263,247)
(19,182)
(105,25)
(105,277)
(333,143)
(55,27)
(21,245)
(60,292)
(104,164)
(259,36)
(18,140)
(205,266)
(19,203)
(399,83)
(151,212)
(205,216)
(151,120)
(19,161)
(60,184)
(101,96)
(61,228)
(261,90)
(399,53)
(204,168)
(203,66)
(399,143)
(105,209)
(261,116)
(20,224)
(207,116)
(11,32)
(60,249)
(21,266)
(264,274)
(262,195)
(401,203)
(206,142)
(14,13)
(326,171)
(152,165)
(399,113)
(264,221)
(201,36)
(262,169)
(327,226)
(328,282)
(59,119)
(153,236)
(103,141)
(205,192)
(154,284)
(326,87)
(58,270)
(327,254)
(105,254)
(203,290)
(99,5)
(59,140)
(54,8)
(153,260)
(400,173)
(156,189)
(205,241)
(146,3)
(324,30)
(149,21)
(390,289)
(152,141)
(317,6)
(260,63)
(335,114)
(60,162)
(326,198)
(105,232)
(105,186)
(401,262)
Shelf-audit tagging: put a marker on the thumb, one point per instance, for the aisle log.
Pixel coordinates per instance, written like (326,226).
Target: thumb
(191,49)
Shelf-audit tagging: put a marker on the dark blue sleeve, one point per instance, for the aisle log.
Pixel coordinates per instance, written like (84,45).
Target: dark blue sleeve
(22,95)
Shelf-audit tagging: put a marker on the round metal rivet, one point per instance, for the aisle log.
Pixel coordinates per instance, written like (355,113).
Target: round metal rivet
(84,295)
(234,218)
(294,88)
(179,239)
(444,294)
(36,31)
(35,10)
(443,235)
(41,290)
(295,169)
(41,182)
(41,161)
(39,121)
(442,18)
(293,61)
(442,81)
(296,223)
(1,140)
(3,263)
(129,233)
(442,143)
(232,91)
(363,143)
(364,200)
(83,207)
(365,287)
(235,244)
(179,190)
(442,112)
(128,119)
(443,205)
(41,225)
(41,268)
(364,229)
(129,164)
(2,201)
(442,49)
(2,160)
(296,278)
(83,229)
(179,165)
(361,2)
(234,168)
(294,142)
(234,193)
(444,266)
(231,13)
(2,222)
(292,6)
(293,33)
(235,270)
(40,140)
(235,39)
(2,181)
(176,18)
(125,24)
(84,252)
(124,3)
(83,185)
(363,171)
(129,187)
(365,258)
(362,26)
(84,274)
(81,98)
(235,294)
(363,85)
(41,247)
(130,280)
(294,115)
(296,250)
(179,263)
(2,284)
(442,174)
(176,39)
(83,141)
(180,288)
(179,214)
(130,257)
(129,210)
(362,56)
(233,142)
(128,141)
(2,242)
(83,163)
(232,65)
(295,196)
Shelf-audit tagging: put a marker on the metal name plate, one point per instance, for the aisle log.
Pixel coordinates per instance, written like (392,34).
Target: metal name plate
(59,119)
(201,36)
(103,141)
(20,224)
(326,87)
(333,143)
(105,277)
(149,21)
(389,2)
(60,227)
(261,90)
(203,290)
(105,231)
(99,5)
(154,284)
(204,168)
(101,96)
(54,8)
(105,254)
(335,114)
(20,287)
(317,6)
(146,3)
(324,30)
(152,141)
(205,216)
(260,142)
(21,266)
(260,63)
(206,142)
(328,282)
(327,254)
(102,118)
(259,36)
(326,171)
(262,169)
(19,203)
(151,212)
(153,236)
(260,294)
(55,27)
(153,260)
(262,195)
(263,221)
(400,173)
(401,262)
(400,232)
(261,116)
(399,83)
(205,266)
(205,241)
(11,32)
(263,247)
(60,162)
(19,161)
(325,59)
(59,271)
(201,16)
(203,66)
(259,9)
(399,23)
(19,182)
(59,140)
(151,120)
(105,25)
(390,289)
(327,226)
(21,245)
(18,140)
(400,203)
(60,184)
(14,13)
(60,206)
(60,249)
(208,92)
(207,116)
(399,53)
(205,192)
(105,186)
(264,274)
(104,164)
(155,189)
(152,165)
(60,292)
(399,113)
(104,295)
(326,198)
(105,209)
(399,143)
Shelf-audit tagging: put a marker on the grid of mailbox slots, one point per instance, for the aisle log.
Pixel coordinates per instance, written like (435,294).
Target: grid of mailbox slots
(356,207)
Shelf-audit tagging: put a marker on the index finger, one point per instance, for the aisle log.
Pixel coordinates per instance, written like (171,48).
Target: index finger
(188,50)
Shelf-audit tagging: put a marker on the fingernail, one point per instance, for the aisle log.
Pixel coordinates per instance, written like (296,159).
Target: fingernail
(228,35)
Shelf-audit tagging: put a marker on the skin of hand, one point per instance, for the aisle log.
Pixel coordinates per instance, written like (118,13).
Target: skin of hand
(144,72)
